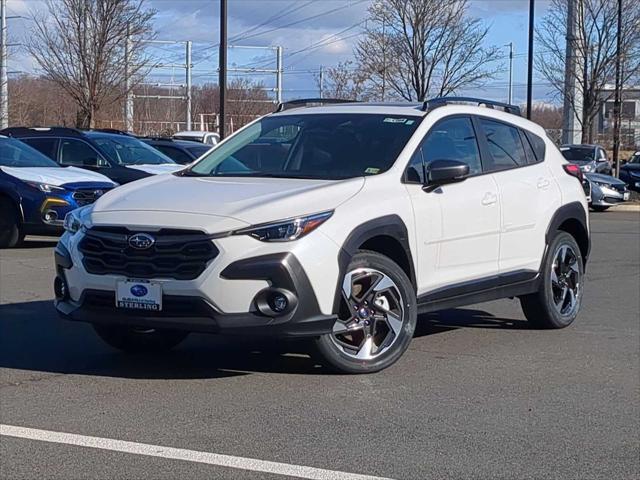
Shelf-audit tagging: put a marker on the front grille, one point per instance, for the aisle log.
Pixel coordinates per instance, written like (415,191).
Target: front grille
(178,254)
(87,197)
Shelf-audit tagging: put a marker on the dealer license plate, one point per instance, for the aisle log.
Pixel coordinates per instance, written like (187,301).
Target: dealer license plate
(139,295)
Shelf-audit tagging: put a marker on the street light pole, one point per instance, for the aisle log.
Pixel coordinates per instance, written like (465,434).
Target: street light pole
(222,70)
(510,45)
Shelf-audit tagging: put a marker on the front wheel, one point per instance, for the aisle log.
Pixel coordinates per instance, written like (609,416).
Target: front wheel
(137,340)
(598,208)
(377,317)
(11,233)
(558,301)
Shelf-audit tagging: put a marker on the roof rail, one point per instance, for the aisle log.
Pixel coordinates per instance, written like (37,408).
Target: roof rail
(481,102)
(37,131)
(115,131)
(310,102)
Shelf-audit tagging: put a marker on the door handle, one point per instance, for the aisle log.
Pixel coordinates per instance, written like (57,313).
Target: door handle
(489,198)
(543,183)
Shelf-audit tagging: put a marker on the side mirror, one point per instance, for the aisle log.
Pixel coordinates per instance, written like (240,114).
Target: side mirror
(443,172)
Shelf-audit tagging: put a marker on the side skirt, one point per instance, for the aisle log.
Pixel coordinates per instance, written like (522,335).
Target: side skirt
(478,291)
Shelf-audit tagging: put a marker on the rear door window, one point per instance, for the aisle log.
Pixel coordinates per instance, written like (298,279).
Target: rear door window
(504,144)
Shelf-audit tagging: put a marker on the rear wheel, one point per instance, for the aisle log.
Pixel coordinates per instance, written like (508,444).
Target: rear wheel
(557,303)
(134,340)
(377,317)
(10,229)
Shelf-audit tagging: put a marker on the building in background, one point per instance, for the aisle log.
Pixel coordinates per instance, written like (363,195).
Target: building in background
(630,125)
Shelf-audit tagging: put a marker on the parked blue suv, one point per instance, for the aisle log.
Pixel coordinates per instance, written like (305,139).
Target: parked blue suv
(36,193)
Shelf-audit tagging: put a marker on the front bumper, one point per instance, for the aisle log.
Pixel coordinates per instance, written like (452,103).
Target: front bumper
(280,272)
(602,196)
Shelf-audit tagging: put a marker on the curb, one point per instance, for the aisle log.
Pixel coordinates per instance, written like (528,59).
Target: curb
(626,208)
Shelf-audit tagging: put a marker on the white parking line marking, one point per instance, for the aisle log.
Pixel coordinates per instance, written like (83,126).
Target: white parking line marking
(135,448)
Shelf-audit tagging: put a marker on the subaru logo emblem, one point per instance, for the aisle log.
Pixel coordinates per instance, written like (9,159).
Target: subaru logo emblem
(139,290)
(141,241)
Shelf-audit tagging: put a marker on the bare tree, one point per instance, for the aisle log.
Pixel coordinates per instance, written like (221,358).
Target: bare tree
(344,81)
(80,46)
(415,49)
(595,51)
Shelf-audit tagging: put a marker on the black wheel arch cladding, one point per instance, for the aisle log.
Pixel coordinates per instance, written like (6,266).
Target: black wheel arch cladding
(390,227)
(571,218)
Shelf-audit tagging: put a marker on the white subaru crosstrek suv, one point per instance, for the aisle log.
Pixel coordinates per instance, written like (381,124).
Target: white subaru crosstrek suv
(339,222)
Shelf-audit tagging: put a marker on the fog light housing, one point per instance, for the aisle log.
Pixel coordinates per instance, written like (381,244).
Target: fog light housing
(275,302)
(50,216)
(60,288)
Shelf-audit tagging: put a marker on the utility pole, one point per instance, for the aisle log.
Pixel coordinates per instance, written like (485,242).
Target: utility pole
(510,45)
(279,68)
(188,81)
(571,131)
(617,106)
(4,80)
(530,59)
(321,82)
(128,104)
(222,69)
(384,58)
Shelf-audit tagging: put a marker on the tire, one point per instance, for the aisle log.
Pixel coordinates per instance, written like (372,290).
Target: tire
(375,327)
(10,229)
(557,303)
(133,340)
(598,208)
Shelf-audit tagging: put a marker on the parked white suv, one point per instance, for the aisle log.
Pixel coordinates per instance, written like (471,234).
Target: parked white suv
(338,222)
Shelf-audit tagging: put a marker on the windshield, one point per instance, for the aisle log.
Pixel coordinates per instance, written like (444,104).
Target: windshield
(635,158)
(14,153)
(130,151)
(327,146)
(578,154)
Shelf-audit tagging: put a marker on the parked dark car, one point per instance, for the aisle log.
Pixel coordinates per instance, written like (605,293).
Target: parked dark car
(590,158)
(180,151)
(121,157)
(36,193)
(630,172)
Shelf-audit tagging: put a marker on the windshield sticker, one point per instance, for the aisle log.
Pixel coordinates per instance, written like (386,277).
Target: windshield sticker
(372,170)
(395,120)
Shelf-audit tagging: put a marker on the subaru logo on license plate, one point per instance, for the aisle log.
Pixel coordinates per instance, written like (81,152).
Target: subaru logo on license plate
(139,290)
(141,241)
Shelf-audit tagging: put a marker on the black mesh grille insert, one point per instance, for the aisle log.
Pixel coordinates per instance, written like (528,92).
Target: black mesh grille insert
(178,254)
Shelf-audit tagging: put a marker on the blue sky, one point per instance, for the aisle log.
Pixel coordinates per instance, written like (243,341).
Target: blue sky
(331,26)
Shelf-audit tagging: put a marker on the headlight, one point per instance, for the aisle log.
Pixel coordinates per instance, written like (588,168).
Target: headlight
(75,219)
(285,230)
(603,184)
(45,187)
(587,168)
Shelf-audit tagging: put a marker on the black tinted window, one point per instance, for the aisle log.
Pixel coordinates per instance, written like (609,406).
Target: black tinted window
(174,154)
(505,145)
(453,139)
(43,145)
(78,153)
(415,169)
(538,145)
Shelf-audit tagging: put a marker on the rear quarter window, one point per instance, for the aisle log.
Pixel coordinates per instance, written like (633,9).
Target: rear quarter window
(537,144)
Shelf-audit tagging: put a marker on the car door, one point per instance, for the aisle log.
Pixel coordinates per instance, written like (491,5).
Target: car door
(457,225)
(528,194)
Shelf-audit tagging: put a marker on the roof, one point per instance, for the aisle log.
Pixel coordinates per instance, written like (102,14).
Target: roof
(406,109)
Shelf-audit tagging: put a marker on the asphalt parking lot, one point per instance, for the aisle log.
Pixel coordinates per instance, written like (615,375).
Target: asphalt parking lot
(478,394)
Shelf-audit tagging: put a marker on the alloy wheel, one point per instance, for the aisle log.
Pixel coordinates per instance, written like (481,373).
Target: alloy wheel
(566,282)
(371,314)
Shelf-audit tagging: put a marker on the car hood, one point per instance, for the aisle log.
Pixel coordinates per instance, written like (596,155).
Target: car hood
(158,168)
(634,167)
(55,175)
(247,200)
(598,177)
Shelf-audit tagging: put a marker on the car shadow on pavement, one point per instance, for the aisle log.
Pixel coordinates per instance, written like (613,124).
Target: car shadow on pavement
(33,338)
